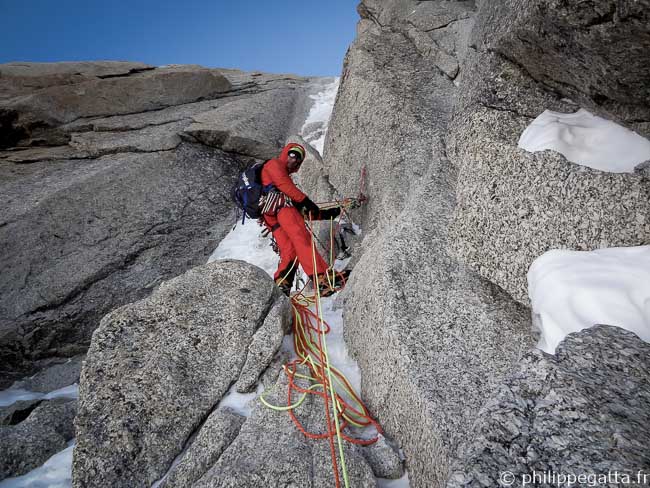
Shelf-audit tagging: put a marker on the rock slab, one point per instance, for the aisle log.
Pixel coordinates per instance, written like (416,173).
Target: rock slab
(431,337)
(158,367)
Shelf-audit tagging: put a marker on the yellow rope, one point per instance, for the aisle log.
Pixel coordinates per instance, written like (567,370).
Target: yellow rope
(329,370)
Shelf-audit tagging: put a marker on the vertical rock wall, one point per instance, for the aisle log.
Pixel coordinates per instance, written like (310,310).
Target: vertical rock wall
(433,98)
(431,337)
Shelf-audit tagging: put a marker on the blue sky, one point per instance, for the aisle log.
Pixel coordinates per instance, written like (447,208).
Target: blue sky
(305,37)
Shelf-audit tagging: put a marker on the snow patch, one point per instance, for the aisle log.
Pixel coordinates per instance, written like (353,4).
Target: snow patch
(574,290)
(314,129)
(588,140)
(11,395)
(336,348)
(245,242)
(56,472)
(402,482)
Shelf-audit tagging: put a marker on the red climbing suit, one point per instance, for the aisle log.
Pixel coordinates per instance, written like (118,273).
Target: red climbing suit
(292,237)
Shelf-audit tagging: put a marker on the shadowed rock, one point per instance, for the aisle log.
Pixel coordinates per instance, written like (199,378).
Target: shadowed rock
(17,411)
(42,434)
(81,237)
(585,410)
(53,377)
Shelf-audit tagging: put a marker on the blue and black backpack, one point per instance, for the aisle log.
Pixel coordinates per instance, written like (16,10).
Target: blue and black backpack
(248,191)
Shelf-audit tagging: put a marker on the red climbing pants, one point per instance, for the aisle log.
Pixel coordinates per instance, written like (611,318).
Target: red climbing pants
(294,240)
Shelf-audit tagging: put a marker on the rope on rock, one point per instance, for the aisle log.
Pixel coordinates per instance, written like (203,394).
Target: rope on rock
(310,345)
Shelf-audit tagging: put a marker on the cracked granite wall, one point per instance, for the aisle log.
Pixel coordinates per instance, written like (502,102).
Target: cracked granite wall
(103,201)
(431,337)
(514,205)
(436,309)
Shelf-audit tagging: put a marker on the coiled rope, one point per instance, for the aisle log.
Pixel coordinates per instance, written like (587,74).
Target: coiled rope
(343,407)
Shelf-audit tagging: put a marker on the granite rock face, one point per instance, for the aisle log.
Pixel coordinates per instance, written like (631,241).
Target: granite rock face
(445,336)
(430,108)
(513,205)
(214,437)
(275,327)
(158,367)
(157,371)
(584,410)
(383,460)
(271,451)
(29,443)
(17,412)
(105,193)
(54,377)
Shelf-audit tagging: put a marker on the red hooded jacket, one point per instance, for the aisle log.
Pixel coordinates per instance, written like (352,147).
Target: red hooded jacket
(288,225)
(275,172)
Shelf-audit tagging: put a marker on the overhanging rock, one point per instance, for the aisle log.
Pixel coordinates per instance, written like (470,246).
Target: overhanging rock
(595,53)
(139,92)
(255,126)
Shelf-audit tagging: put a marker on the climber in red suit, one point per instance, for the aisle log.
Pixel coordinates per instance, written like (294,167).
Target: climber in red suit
(284,218)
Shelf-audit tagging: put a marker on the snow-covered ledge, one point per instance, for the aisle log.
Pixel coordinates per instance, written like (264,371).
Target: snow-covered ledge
(574,290)
(588,140)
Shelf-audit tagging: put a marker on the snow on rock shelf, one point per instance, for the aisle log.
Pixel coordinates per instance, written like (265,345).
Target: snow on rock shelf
(588,140)
(574,290)
(55,473)
(245,242)
(11,395)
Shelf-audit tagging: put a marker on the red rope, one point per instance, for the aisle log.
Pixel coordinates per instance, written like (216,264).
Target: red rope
(305,324)
(304,327)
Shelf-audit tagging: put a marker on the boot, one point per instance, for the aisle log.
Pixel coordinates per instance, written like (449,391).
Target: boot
(285,282)
(328,286)
(285,286)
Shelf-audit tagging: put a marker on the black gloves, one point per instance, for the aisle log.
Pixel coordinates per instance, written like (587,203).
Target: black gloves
(330,213)
(308,207)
